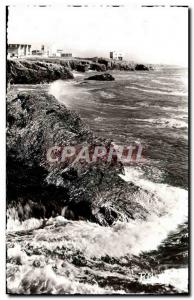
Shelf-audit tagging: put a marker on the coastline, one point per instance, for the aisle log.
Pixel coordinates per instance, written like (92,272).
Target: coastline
(113,209)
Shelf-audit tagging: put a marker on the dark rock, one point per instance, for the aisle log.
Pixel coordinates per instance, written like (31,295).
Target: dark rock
(98,67)
(103,61)
(101,77)
(82,68)
(37,188)
(79,260)
(131,287)
(120,65)
(141,67)
(32,72)
(95,64)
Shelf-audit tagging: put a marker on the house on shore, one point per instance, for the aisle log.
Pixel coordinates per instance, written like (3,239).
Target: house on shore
(41,51)
(61,53)
(116,55)
(18,50)
(37,52)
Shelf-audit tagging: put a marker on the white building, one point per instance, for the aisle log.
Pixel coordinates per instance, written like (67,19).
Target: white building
(116,55)
(61,53)
(18,50)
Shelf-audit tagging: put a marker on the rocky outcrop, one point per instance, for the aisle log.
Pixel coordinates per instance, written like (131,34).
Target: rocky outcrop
(98,67)
(104,61)
(141,67)
(32,72)
(101,77)
(98,64)
(38,188)
(82,68)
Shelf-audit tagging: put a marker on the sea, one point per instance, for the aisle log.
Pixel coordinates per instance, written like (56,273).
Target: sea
(132,257)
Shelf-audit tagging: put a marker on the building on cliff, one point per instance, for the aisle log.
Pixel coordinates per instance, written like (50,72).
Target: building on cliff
(18,50)
(37,52)
(116,55)
(58,51)
(61,53)
(42,51)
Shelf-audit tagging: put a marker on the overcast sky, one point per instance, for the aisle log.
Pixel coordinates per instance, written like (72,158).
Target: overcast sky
(150,35)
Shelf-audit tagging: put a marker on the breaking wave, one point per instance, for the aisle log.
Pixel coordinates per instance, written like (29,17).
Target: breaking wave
(60,256)
(167,208)
(176,277)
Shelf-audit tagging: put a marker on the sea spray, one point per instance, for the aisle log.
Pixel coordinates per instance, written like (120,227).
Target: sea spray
(67,92)
(72,243)
(176,277)
(167,209)
(64,256)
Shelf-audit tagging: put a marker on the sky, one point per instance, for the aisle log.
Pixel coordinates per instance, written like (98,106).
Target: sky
(142,34)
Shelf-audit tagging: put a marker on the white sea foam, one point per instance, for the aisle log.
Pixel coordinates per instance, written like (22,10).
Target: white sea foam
(59,88)
(165,122)
(107,95)
(67,91)
(17,253)
(176,277)
(44,280)
(78,74)
(98,119)
(167,208)
(172,123)
(16,225)
(13,223)
(35,273)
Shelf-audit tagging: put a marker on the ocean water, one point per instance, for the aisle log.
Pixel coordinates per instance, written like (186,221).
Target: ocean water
(151,257)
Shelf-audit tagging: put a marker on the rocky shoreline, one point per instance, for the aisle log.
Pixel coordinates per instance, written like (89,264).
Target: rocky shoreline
(91,191)
(41,70)
(35,188)
(34,72)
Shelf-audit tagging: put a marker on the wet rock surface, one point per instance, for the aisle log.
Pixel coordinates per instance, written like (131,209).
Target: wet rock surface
(141,67)
(32,72)
(37,188)
(101,77)
(35,70)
